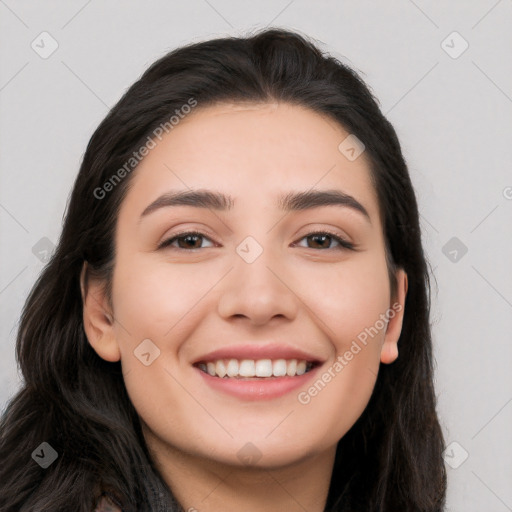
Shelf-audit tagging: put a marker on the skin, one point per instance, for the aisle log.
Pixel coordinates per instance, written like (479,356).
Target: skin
(190,302)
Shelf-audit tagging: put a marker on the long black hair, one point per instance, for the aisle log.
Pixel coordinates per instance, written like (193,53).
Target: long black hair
(390,460)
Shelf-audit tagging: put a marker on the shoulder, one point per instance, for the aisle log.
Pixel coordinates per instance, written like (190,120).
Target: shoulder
(105,504)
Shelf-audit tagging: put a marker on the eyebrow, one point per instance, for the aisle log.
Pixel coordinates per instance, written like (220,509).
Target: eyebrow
(292,201)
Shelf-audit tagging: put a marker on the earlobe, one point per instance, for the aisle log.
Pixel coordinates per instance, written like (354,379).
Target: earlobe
(97,319)
(389,351)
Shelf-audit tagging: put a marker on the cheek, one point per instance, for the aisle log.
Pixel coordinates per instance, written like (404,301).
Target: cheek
(154,299)
(350,302)
(349,310)
(159,302)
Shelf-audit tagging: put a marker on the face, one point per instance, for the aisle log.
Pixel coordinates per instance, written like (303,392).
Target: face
(250,319)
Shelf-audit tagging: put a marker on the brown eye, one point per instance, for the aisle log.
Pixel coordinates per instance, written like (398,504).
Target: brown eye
(321,240)
(186,241)
(189,241)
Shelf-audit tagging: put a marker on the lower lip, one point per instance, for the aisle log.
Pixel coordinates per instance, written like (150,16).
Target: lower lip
(258,389)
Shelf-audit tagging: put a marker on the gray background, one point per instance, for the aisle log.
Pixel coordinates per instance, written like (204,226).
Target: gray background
(452,112)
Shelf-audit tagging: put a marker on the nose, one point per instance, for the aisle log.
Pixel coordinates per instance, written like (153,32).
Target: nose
(259,291)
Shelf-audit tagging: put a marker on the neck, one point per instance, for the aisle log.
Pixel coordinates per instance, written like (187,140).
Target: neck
(203,485)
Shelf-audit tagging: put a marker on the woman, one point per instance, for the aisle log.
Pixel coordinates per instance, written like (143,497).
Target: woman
(237,312)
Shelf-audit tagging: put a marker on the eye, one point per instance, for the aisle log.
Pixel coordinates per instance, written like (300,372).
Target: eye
(323,239)
(186,240)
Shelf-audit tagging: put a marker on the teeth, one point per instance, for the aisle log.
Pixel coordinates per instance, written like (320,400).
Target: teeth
(232,369)
(248,368)
(279,368)
(220,369)
(264,368)
(291,368)
(210,368)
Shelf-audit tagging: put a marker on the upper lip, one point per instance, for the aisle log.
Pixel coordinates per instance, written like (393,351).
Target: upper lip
(256,352)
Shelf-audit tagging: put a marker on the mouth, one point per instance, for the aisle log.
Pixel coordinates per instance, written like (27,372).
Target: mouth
(256,369)
(253,371)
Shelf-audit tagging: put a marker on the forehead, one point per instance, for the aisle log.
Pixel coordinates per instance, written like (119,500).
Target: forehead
(254,152)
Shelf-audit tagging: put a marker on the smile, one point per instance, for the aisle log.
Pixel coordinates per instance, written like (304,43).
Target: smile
(255,368)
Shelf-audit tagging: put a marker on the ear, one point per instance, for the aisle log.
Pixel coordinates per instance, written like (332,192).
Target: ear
(97,317)
(389,351)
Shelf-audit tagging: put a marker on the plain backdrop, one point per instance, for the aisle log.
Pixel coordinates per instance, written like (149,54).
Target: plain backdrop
(443,75)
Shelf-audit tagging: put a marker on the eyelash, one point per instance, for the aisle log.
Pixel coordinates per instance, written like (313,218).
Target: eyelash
(343,244)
